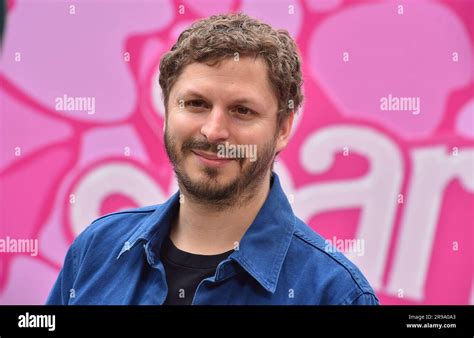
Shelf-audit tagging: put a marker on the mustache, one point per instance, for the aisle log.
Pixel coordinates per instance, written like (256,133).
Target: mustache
(191,144)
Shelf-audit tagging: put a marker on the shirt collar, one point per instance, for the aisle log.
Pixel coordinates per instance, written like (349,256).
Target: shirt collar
(261,251)
(153,229)
(263,248)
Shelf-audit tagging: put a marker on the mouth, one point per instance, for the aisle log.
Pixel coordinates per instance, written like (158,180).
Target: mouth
(211,159)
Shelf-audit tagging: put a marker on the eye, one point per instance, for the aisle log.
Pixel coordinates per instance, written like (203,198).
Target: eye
(196,104)
(243,111)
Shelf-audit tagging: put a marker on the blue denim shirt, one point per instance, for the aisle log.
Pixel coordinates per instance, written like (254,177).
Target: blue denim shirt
(280,260)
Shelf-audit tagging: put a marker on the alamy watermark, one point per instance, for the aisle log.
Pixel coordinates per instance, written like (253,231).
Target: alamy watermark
(19,245)
(71,103)
(37,321)
(228,150)
(356,246)
(403,103)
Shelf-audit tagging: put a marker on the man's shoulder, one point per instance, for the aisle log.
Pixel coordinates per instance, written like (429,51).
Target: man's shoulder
(124,214)
(126,219)
(116,227)
(329,266)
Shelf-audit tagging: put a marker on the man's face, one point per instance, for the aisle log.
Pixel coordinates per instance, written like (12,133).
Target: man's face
(212,110)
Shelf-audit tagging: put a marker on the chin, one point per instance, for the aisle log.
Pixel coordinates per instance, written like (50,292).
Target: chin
(211,175)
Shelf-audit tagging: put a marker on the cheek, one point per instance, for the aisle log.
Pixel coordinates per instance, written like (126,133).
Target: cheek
(260,135)
(179,126)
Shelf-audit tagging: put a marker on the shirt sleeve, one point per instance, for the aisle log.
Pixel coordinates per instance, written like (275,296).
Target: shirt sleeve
(365,299)
(62,289)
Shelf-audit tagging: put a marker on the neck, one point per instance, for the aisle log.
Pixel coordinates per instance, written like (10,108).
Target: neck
(201,229)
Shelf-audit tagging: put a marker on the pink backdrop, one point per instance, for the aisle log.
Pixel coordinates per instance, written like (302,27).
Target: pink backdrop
(400,180)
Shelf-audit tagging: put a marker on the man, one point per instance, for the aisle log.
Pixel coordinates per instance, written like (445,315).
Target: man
(229,236)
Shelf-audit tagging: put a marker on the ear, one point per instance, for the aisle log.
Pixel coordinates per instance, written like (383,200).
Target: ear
(284,132)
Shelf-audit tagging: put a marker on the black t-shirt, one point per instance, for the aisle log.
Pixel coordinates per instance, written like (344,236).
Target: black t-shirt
(184,271)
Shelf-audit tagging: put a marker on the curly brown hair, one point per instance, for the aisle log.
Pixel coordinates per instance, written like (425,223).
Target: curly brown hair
(220,36)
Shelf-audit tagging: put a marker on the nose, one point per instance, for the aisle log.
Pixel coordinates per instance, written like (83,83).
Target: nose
(215,127)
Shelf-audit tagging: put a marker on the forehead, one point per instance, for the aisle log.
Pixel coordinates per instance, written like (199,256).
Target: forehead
(247,77)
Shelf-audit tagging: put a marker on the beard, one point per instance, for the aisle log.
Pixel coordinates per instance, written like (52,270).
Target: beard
(209,191)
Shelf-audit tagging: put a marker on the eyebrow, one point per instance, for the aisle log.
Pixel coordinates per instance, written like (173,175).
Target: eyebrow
(190,93)
(241,100)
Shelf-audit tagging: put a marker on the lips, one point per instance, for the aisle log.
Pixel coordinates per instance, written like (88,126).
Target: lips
(210,160)
(210,156)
